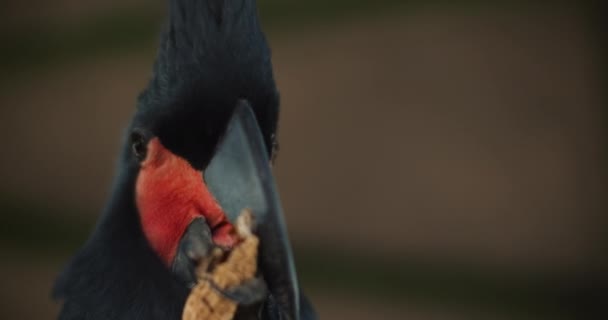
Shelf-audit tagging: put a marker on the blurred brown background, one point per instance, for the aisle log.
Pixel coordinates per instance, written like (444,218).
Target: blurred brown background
(439,160)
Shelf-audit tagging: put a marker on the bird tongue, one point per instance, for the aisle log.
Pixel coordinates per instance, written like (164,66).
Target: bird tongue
(239,177)
(224,236)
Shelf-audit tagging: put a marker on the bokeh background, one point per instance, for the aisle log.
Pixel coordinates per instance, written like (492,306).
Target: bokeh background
(439,159)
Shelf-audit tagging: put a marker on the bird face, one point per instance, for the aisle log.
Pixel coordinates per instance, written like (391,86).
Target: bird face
(170,152)
(179,210)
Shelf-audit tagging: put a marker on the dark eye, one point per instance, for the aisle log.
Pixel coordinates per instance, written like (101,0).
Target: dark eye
(138,145)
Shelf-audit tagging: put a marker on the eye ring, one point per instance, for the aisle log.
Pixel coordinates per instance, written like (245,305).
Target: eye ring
(138,145)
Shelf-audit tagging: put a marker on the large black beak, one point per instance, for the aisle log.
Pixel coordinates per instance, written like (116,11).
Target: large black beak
(239,176)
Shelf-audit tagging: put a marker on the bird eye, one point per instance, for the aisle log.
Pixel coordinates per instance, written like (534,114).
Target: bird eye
(138,145)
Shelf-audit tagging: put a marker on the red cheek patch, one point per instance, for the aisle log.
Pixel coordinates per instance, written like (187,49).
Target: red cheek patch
(170,193)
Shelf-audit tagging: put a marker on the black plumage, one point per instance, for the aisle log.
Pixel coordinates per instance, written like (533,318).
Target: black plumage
(212,53)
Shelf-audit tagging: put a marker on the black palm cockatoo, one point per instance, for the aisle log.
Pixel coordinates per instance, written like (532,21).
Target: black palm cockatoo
(206,121)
